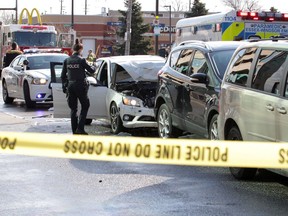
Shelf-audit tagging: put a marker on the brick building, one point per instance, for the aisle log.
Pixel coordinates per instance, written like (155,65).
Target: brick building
(98,32)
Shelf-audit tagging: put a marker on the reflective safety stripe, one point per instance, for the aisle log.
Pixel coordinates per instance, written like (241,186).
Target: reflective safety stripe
(232,31)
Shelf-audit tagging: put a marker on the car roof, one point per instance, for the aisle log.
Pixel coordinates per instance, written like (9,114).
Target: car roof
(210,46)
(140,67)
(44,54)
(269,44)
(129,58)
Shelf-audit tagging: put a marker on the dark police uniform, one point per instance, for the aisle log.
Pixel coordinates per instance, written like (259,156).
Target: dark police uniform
(73,81)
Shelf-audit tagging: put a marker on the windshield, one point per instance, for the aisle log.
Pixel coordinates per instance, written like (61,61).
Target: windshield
(43,62)
(35,39)
(221,60)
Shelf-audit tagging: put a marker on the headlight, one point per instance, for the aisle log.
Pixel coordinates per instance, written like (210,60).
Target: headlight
(131,101)
(39,81)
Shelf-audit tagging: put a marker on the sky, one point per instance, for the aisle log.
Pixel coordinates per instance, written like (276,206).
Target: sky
(94,6)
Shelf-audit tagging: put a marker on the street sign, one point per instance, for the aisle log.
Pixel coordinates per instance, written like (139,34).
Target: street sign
(156,30)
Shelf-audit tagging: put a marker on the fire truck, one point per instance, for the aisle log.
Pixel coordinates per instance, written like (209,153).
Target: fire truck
(29,36)
(232,25)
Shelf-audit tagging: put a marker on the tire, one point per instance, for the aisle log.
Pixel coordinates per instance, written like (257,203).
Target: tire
(88,121)
(237,172)
(6,98)
(29,103)
(164,121)
(116,122)
(213,128)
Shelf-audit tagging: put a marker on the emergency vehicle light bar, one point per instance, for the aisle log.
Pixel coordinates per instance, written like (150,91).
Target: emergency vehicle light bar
(34,27)
(43,50)
(266,16)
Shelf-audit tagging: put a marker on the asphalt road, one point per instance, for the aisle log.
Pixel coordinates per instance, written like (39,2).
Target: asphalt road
(53,186)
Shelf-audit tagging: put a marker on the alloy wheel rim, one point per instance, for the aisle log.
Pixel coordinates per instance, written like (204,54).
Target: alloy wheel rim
(114,118)
(5,92)
(214,131)
(163,124)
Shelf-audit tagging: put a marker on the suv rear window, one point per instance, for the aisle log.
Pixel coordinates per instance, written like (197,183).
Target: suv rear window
(221,59)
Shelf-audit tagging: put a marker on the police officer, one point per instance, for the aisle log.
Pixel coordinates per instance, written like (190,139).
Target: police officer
(75,86)
(11,54)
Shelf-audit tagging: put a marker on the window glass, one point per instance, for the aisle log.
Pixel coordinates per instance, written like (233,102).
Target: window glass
(102,75)
(174,58)
(122,75)
(221,59)
(286,88)
(269,71)
(183,62)
(43,62)
(20,62)
(199,63)
(15,61)
(238,73)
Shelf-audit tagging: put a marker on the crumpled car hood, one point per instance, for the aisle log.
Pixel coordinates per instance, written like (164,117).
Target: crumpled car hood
(144,70)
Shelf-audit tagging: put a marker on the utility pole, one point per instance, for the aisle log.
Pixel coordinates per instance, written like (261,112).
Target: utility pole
(170,28)
(85,7)
(72,15)
(16,11)
(61,6)
(156,36)
(128,28)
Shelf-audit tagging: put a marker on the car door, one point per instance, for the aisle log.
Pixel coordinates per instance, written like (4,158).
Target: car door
(265,110)
(197,94)
(282,111)
(19,74)
(12,77)
(96,94)
(175,83)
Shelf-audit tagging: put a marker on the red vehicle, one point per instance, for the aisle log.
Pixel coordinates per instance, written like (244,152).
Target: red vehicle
(34,36)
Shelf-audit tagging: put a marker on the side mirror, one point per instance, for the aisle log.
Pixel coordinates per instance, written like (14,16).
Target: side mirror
(25,62)
(92,81)
(199,78)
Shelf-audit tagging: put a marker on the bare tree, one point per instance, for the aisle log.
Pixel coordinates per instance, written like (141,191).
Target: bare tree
(176,5)
(250,5)
(6,17)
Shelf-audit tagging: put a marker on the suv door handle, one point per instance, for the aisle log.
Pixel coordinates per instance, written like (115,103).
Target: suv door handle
(269,107)
(281,110)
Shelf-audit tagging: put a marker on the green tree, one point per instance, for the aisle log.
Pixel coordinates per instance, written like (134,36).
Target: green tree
(274,10)
(139,45)
(198,9)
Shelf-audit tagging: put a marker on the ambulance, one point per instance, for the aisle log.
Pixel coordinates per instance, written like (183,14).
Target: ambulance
(232,25)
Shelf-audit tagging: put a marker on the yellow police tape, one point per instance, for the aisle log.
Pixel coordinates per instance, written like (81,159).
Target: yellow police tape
(147,150)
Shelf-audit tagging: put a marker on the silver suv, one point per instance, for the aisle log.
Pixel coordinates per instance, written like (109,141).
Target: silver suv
(254,97)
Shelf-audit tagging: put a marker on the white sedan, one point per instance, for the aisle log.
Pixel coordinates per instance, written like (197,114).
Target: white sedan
(123,92)
(28,78)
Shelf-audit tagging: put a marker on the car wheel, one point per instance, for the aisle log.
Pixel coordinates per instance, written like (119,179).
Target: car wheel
(213,128)
(240,173)
(88,121)
(164,120)
(116,122)
(6,98)
(29,103)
